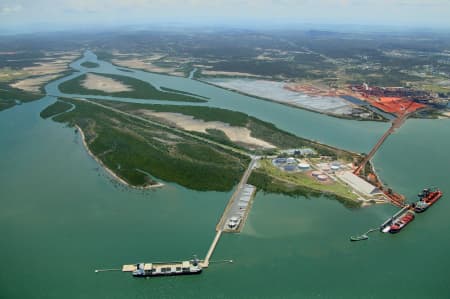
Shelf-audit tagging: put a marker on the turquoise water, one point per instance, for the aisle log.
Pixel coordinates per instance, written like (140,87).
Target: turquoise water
(61,217)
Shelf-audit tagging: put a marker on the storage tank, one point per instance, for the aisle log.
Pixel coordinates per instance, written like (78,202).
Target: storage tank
(316,173)
(280,160)
(291,160)
(303,166)
(289,167)
(322,177)
(335,167)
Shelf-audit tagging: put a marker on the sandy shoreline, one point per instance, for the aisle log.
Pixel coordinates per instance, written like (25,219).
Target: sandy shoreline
(109,171)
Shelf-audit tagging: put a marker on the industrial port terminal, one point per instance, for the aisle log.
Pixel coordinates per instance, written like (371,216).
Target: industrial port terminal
(238,207)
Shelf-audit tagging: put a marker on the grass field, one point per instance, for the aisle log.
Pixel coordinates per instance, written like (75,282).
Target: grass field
(141,90)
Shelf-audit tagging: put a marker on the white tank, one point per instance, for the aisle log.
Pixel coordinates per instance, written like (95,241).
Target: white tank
(303,166)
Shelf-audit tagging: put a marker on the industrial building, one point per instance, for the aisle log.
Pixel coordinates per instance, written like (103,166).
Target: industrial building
(358,183)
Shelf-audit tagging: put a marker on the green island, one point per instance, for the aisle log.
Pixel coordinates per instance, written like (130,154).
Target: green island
(90,64)
(132,148)
(137,89)
(119,135)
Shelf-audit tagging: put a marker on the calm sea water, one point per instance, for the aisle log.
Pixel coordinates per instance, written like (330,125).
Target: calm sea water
(61,217)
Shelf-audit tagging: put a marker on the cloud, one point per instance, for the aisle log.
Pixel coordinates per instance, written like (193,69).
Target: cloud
(10,9)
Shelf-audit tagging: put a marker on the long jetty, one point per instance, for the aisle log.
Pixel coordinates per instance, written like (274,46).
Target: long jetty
(395,199)
(395,124)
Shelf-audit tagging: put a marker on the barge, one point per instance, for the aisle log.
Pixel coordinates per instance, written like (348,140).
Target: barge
(164,269)
(427,198)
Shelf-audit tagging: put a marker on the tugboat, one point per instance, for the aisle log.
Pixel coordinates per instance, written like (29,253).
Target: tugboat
(168,269)
(359,238)
(397,223)
(426,199)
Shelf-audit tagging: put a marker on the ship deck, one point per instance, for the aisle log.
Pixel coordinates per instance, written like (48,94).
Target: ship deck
(157,267)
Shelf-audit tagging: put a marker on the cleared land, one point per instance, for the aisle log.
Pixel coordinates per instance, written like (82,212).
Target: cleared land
(24,73)
(235,134)
(51,66)
(137,89)
(228,74)
(33,84)
(105,84)
(147,64)
(276,91)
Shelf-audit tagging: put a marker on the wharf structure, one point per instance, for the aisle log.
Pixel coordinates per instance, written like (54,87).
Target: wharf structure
(236,212)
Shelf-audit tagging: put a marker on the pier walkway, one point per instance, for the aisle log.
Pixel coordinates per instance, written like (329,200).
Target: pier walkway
(205,262)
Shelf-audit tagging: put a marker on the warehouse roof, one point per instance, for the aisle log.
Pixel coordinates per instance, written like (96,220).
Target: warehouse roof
(358,183)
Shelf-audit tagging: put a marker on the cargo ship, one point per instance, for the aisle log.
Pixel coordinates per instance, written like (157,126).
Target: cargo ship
(426,199)
(164,269)
(399,221)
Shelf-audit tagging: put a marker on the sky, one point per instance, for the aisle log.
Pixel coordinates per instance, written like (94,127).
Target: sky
(31,15)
